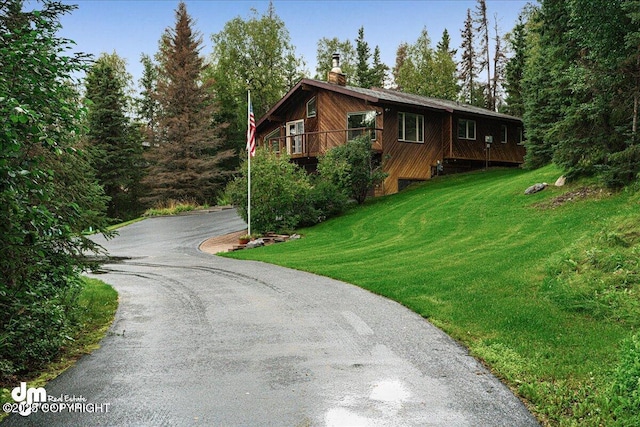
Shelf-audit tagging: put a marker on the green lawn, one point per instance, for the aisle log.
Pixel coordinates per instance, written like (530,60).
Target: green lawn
(544,295)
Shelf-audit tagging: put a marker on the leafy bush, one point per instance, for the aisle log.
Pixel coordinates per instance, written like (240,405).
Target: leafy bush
(626,384)
(351,168)
(280,193)
(48,194)
(284,196)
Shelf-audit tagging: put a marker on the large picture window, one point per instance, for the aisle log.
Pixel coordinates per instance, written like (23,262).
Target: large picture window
(357,121)
(466,129)
(410,127)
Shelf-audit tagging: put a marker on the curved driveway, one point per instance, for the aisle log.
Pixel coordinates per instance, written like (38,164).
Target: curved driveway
(205,340)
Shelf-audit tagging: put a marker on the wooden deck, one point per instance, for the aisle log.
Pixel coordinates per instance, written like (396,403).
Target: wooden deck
(315,144)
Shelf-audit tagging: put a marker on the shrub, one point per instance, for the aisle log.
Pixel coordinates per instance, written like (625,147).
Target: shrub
(48,195)
(626,384)
(280,193)
(351,167)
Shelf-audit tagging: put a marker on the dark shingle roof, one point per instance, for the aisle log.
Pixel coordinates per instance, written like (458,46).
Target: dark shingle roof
(378,95)
(398,97)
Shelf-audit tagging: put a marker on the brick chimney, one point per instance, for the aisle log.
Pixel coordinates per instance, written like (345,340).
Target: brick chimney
(335,76)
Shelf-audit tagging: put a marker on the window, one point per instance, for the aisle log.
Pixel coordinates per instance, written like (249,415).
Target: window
(503,134)
(311,107)
(295,133)
(466,129)
(357,121)
(410,127)
(520,136)
(272,140)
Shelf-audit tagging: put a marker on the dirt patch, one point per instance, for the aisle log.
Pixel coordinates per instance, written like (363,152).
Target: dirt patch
(572,196)
(221,243)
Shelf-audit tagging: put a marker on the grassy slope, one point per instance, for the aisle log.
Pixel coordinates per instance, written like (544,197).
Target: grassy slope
(473,254)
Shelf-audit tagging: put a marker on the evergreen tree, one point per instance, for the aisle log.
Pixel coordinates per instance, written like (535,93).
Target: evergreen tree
(185,164)
(115,155)
(499,65)
(546,87)
(401,58)
(595,132)
(378,70)
(363,56)
(446,69)
(514,68)
(483,53)
(468,69)
(147,104)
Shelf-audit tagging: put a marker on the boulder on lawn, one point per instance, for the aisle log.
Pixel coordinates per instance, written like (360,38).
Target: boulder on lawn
(254,244)
(561,181)
(535,188)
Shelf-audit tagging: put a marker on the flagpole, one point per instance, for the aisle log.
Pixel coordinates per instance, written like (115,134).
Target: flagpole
(249,166)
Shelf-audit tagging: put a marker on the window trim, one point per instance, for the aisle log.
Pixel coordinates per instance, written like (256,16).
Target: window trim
(295,141)
(273,134)
(504,134)
(372,130)
(315,108)
(467,122)
(402,128)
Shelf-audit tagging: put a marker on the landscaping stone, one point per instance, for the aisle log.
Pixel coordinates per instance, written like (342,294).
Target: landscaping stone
(254,244)
(536,188)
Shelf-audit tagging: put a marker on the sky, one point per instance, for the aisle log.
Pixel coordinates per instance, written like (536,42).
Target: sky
(133,27)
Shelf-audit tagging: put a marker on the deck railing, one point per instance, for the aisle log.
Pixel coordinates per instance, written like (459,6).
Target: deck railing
(314,144)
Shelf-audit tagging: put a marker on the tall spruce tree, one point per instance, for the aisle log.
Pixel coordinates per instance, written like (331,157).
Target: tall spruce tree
(483,52)
(185,163)
(402,53)
(378,70)
(514,68)
(468,72)
(147,104)
(499,65)
(115,152)
(363,56)
(595,134)
(546,86)
(446,69)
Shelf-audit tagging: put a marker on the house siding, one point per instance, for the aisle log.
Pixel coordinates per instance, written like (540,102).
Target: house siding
(464,149)
(409,160)
(402,161)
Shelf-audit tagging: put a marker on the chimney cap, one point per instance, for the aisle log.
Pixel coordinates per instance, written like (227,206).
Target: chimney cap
(335,63)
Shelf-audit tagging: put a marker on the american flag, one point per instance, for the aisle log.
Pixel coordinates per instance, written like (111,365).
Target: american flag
(251,132)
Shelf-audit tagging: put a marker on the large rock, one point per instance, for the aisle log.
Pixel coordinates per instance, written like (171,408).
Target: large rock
(254,244)
(561,181)
(535,188)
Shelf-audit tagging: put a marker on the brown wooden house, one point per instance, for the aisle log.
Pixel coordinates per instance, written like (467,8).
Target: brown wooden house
(415,137)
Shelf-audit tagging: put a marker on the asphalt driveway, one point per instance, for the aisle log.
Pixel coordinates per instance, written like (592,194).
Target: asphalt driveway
(203,340)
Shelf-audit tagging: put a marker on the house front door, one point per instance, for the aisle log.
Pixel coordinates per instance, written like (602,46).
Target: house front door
(295,131)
